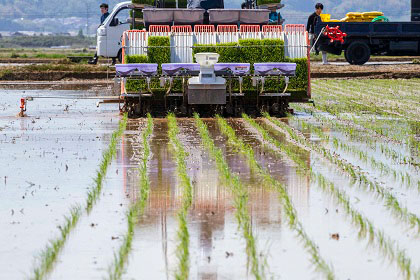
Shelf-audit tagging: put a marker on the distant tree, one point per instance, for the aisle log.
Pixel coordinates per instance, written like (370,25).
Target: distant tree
(80,34)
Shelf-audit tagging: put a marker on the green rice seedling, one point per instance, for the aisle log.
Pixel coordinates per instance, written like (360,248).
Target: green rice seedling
(390,202)
(338,104)
(397,96)
(404,177)
(366,228)
(240,195)
(49,255)
(116,270)
(365,100)
(107,157)
(290,212)
(182,250)
(363,134)
(390,104)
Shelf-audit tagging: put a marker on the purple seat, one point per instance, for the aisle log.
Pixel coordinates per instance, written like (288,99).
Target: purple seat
(181,69)
(275,69)
(144,69)
(237,69)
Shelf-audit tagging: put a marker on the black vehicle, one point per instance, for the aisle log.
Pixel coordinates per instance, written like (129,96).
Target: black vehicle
(371,38)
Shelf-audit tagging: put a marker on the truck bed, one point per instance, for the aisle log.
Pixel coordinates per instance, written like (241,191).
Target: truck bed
(371,38)
(375,29)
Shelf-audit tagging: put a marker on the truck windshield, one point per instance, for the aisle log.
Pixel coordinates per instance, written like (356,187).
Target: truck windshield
(123,16)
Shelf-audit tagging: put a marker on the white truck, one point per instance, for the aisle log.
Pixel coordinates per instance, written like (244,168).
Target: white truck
(109,34)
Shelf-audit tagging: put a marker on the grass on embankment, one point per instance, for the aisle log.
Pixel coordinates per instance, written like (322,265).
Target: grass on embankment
(44,263)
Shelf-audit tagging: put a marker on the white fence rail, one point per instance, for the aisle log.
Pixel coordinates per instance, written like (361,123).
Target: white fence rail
(182,43)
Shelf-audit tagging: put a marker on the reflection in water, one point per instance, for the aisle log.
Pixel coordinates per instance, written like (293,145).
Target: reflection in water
(211,221)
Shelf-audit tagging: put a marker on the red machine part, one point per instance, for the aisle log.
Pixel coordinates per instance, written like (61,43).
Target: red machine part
(294,28)
(23,104)
(204,28)
(182,29)
(159,28)
(335,34)
(272,28)
(227,28)
(22,107)
(249,28)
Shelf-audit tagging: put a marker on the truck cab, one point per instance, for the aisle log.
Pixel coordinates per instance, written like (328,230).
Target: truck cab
(109,34)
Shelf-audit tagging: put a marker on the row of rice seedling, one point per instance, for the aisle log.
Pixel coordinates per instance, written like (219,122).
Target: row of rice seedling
(358,133)
(290,212)
(359,98)
(240,201)
(398,96)
(50,253)
(404,177)
(116,269)
(342,104)
(48,256)
(390,202)
(366,228)
(402,88)
(182,249)
(362,133)
(389,104)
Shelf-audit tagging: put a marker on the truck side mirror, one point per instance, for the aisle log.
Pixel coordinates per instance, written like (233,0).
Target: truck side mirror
(114,22)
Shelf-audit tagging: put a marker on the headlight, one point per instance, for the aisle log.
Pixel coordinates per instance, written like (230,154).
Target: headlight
(101,31)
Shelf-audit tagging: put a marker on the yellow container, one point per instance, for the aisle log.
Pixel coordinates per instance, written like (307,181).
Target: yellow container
(354,15)
(334,20)
(325,17)
(373,14)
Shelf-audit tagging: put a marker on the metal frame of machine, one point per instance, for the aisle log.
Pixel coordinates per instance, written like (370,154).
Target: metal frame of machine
(226,101)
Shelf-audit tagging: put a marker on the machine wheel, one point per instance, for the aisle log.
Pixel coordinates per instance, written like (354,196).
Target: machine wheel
(357,53)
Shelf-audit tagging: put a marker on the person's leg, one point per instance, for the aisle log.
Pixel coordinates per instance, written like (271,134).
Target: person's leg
(324,58)
(94,59)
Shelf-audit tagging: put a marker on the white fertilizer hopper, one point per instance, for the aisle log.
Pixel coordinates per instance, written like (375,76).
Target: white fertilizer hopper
(207,88)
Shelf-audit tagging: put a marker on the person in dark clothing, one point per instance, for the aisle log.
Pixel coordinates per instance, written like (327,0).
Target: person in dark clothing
(314,18)
(310,27)
(104,11)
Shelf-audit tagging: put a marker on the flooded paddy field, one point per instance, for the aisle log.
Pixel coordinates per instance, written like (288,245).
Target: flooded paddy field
(331,191)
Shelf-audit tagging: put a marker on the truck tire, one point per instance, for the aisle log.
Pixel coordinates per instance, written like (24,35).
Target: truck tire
(347,57)
(358,53)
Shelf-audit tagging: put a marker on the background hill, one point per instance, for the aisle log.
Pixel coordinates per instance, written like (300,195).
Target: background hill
(73,15)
